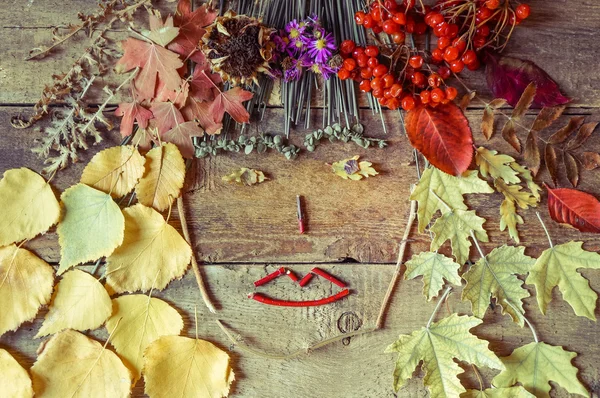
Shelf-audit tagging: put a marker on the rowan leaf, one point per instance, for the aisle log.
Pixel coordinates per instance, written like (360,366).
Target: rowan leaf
(114,170)
(576,208)
(495,276)
(591,160)
(352,169)
(561,135)
(160,32)
(26,283)
(130,112)
(163,177)
(487,122)
(435,185)
(496,165)
(437,346)
(73,365)
(509,133)
(141,320)
(92,226)
(572,168)
(550,160)
(547,116)
(442,135)
(558,266)
(204,371)
(456,226)
(230,101)
(509,218)
(79,302)
(532,152)
(585,131)
(29,206)
(153,253)
(245,176)
(508,392)
(15,381)
(524,102)
(434,268)
(466,100)
(535,365)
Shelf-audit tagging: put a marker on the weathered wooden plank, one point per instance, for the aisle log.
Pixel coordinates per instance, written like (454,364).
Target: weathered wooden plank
(346,220)
(358,369)
(564,47)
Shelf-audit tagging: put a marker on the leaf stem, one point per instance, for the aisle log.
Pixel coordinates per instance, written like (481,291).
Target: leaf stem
(477,245)
(545,229)
(478,377)
(441,201)
(535,337)
(439,304)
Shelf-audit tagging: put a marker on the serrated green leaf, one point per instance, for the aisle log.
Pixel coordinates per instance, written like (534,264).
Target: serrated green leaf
(456,226)
(526,175)
(509,218)
(434,268)
(513,193)
(491,163)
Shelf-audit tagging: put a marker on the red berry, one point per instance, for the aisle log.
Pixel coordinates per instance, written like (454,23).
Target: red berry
(469,57)
(479,42)
(399,18)
(483,14)
(377,93)
(347,46)
(396,90)
(359,17)
(444,72)
(434,80)
(365,86)
(450,54)
(399,38)
(380,70)
(350,64)
(369,22)
(408,103)
(362,60)
(393,103)
(390,27)
(416,61)
(452,30)
(410,26)
(390,5)
(372,51)
(382,100)
(492,4)
(435,18)
(343,74)
(420,28)
(457,66)
(451,93)
(366,73)
(437,95)
(523,11)
(474,66)
(425,96)
(372,62)
(357,51)
(437,55)
(483,31)
(460,44)
(419,79)
(388,80)
(443,43)
(377,84)
(377,29)
(440,30)
(376,13)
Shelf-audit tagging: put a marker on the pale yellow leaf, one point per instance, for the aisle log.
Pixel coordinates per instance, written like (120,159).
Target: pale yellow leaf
(26,283)
(161,33)
(353,169)
(509,218)
(526,175)
(513,193)
(92,226)
(114,170)
(79,302)
(153,253)
(491,163)
(141,321)
(245,176)
(29,206)
(509,392)
(434,268)
(163,177)
(75,366)
(456,226)
(14,380)
(202,370)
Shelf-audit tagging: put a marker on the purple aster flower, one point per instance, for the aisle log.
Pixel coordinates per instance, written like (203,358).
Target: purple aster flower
(298,45)
(292,68)
(294,30)
(320,49)
(322,69)
(281,41)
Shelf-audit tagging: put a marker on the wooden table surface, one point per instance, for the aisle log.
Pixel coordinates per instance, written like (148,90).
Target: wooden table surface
(353,228)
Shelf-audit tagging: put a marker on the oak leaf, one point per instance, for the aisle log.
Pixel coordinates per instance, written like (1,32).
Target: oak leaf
(73,365)
(92,226)
(442,135)
(558,266)
(130,112)
(163,177)
(437,346)
(115,170)
(456,225)
(491,163)
(352,169)
(576,208)
(153,253)
(508,392)
(14,382)
(79,302)
(26,283)
(203,370)
(495,276)
(29,206)
(245,176)
(510,219)
(230,101)
(434,268)
(535,365)
(141,320)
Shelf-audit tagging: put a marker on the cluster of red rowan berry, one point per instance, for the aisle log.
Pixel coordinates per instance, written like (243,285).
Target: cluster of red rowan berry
(405,76)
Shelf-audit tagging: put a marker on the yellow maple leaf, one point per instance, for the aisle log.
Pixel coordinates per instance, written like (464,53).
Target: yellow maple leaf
(434,268)
(353,169)
(114,170)
(456,226)
(163,177)
(14,380)
(75,366)
(245,176)
(92,226)
(79,302)
(26,283)
(29,207)
(176,366)
(143,319)
(153,253)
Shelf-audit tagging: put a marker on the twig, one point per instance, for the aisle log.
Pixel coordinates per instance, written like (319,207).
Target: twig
(195,266)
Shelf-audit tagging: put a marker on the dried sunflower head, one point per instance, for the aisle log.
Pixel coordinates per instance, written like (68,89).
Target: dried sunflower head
(238,47)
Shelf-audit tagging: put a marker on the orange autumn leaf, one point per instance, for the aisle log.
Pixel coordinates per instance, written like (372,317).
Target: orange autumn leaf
(132,111)
(230,101)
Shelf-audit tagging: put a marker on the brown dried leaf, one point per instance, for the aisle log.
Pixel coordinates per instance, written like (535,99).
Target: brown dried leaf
(572,168)
(487,122)
(547,116)
(497,103)
(561,135)
(524,102)
(532,152)
(550,160)
(466,100)
(582,135)
(509,133)
(591,160)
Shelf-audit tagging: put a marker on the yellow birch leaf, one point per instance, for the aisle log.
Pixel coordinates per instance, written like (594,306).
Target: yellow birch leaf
(434,268)
(153,253)
(509,392)
(14,380)
(491,163)
(79,302)
(535,365)
(176,366)
(29,206)
(456,226)
(352,169)
(114,170)
(72,365)
(26,283)
(163,177)
(142,320)
(245,176)
(92,226)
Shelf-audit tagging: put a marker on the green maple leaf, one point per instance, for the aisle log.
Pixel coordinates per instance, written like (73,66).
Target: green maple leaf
(495,275)
(535,364)
(509,392)
(434,268)
(437,346)
(456,226)
(435,185)
(557,266)
(496,165)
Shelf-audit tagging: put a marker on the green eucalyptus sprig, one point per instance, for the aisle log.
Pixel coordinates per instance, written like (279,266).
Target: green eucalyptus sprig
(337,132)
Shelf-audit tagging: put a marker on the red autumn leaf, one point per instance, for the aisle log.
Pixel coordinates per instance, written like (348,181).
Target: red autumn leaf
(443,135)
(507,78)
(181,135)
(153,60)
(200,112)
(230,101)
(576,208)
(131,111)
(178,97)
(204,84)
(166,116)
(191,29)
